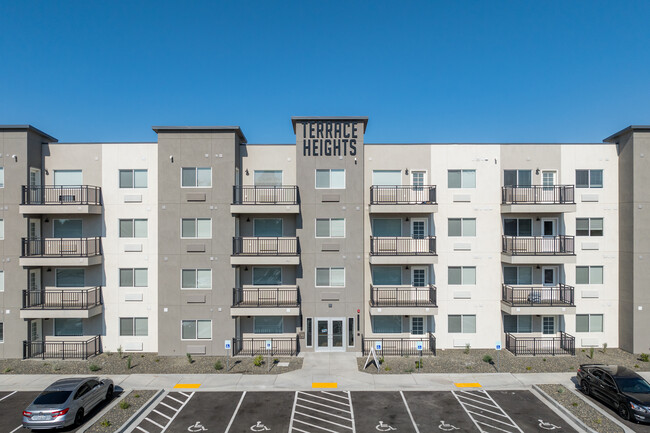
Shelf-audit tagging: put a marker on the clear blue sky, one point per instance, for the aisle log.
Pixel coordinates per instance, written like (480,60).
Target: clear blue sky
(429,71)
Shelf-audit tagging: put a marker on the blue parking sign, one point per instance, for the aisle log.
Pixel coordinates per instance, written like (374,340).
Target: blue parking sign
(227,344)
(498,345)
(418,345)
(377,345)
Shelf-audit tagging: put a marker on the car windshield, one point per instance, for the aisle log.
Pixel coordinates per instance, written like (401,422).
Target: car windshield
(633,384)
(52,397)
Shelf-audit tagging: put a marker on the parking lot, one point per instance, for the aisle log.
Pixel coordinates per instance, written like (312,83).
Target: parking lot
(340,411)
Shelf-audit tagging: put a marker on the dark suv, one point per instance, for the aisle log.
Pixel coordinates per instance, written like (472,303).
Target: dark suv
(619,387)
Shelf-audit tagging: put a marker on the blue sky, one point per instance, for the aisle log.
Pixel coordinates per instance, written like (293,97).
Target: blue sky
(429,71)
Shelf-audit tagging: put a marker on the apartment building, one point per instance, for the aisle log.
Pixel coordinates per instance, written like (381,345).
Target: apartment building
(325,244)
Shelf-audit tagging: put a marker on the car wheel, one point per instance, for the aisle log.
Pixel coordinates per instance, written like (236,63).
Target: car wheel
(109,393)
(623,410)
(78,418)
(586,388)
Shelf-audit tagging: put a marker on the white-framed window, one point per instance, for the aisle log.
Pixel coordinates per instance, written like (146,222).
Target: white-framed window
(134,326)
(267,227)
(589,226)
(267,177)
(196,329)
(330,227)
(417,325)
(2,177)
(133,178)
(461,275)
(196,228)
(2,332)
(330,277)
(517,178)
(134,277)
(589,178)
(518,275)
(133,228)
(330,178)
(196,177)
(2,281)
(267,275)
(69,277)
(519,324)
(461,323)
(387,177)
(2,229)
(461,178)
(196,278)
(589,323)
(518,226)
(589,275)
(267,324)
(465,227)
(387,324)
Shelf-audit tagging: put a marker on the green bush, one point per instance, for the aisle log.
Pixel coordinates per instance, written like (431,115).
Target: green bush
(604,347)
(218,365)
(258,360)
(387,368)
(94,367)
(119,351)
(487,358)
(189,358)
(381,360)
(467,347)
(136,396)
(529,368)
(125,404)
(105,423)
(591,352)
(644,357)
(128,363)
(419,364)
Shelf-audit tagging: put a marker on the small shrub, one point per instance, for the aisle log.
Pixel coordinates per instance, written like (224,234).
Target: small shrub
(387,368)
(128,363)
(105,423)
(136,396)
(94,367)
(636,366)
(644,357)
(157,360)
(258,360)
(529,368)
(142,356)
(487,358)
(467,347)
(544,359)
(591,352)
(276,360)
(560,390)
(125,404)
(57,367)
(218,365)
(381,360)
(598,420)
(583,350)
(574,404)
(604,347)
(7,370)
(189,358)
(119,351)
(419,364)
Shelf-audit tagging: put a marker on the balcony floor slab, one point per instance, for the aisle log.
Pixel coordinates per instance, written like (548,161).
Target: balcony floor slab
(55,313)
(264,311)
(538,208)
(60,261)
(264,208)
(540,259)
(265,260)
(403,208)
(53,209)
(539,309)
(403,260)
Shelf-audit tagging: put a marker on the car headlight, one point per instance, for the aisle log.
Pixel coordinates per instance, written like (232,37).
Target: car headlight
(639,408)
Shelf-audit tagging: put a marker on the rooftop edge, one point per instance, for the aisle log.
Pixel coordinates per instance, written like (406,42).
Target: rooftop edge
(631,128)
(235,129)
(29,128)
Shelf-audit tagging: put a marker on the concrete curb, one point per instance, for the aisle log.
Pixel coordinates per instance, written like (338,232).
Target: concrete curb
(563,410)
(139,412)
(97,417)
(613,419)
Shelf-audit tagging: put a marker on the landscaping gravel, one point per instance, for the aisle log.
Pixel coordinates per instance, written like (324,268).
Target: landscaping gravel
(120,413)
(462,361)
(592,417)
(147,363)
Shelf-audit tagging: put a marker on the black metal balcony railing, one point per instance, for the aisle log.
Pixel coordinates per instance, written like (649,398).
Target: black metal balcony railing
(266,297)
(400,346)
(538,194)
(253,246)
(62,349)
(561,295)
(58,195)
(563,344)
(265,194)
(402,194)
(539,245)
(62,299)
(404,296)
(61,247)
(402,246)
(283,346)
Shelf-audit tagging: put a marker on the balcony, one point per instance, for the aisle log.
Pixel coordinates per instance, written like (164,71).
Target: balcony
(400,346)
(266,301)
(538,249)
(82,199)
(403,199)
(69,303)
(538,199)
(265,199)
(548,300)
(265,251)
(63,348)
(61,251)
(558,344)
(403,250)
(403,300)
(280,346)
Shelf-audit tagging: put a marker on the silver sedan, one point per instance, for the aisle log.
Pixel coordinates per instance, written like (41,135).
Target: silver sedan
(66,401)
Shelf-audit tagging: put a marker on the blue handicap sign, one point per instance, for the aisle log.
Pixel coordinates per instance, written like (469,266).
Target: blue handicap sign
(227,344)
(498,345)
(377,345)
(418,345)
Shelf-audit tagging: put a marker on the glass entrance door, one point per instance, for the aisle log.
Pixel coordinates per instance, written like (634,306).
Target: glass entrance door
(330,335)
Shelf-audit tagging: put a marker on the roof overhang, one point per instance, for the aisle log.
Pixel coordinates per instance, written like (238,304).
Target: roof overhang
(28,128)
(630,129)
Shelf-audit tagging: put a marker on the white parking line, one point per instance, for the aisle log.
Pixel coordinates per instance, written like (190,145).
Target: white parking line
(311,414)
(476,404)
(160,428)
(7,396)
(140,428)
(234,414)
(409,412)
(17,428)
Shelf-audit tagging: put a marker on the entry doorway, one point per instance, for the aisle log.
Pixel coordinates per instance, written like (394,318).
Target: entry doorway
(330,334)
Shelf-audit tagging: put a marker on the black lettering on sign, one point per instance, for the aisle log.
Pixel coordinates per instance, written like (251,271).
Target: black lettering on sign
(329,138)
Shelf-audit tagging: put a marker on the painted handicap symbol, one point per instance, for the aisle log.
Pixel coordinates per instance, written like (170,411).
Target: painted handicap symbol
(384,427)
(548,425)
(447,427)
(196,427)
(259,427)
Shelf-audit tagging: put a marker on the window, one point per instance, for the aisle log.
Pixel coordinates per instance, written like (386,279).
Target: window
(417,325)
(589,178)
(517,275)
(133,178)
(589,275)
(517,178)
(330,179)
(309,337)
(461,178)
(517,227)
(385,227)
(68,327)
(267,325)
(64,228)
(2,332)
(196,329)
(387,177)
(133,228)
(200,228)
(68,178)
(2,177)
(461,324)
(134,326)
(589,226)
(465,227)
(330,227)
(520,324)
(461,275)
(70,277)
(196,177)
(268,177)
(589,323)
(330,277)
(387,324)
(133,277)
(2,281)
(2,228)
(267,227)
(196,279)
(350,331)
(267,275)
(386,275)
